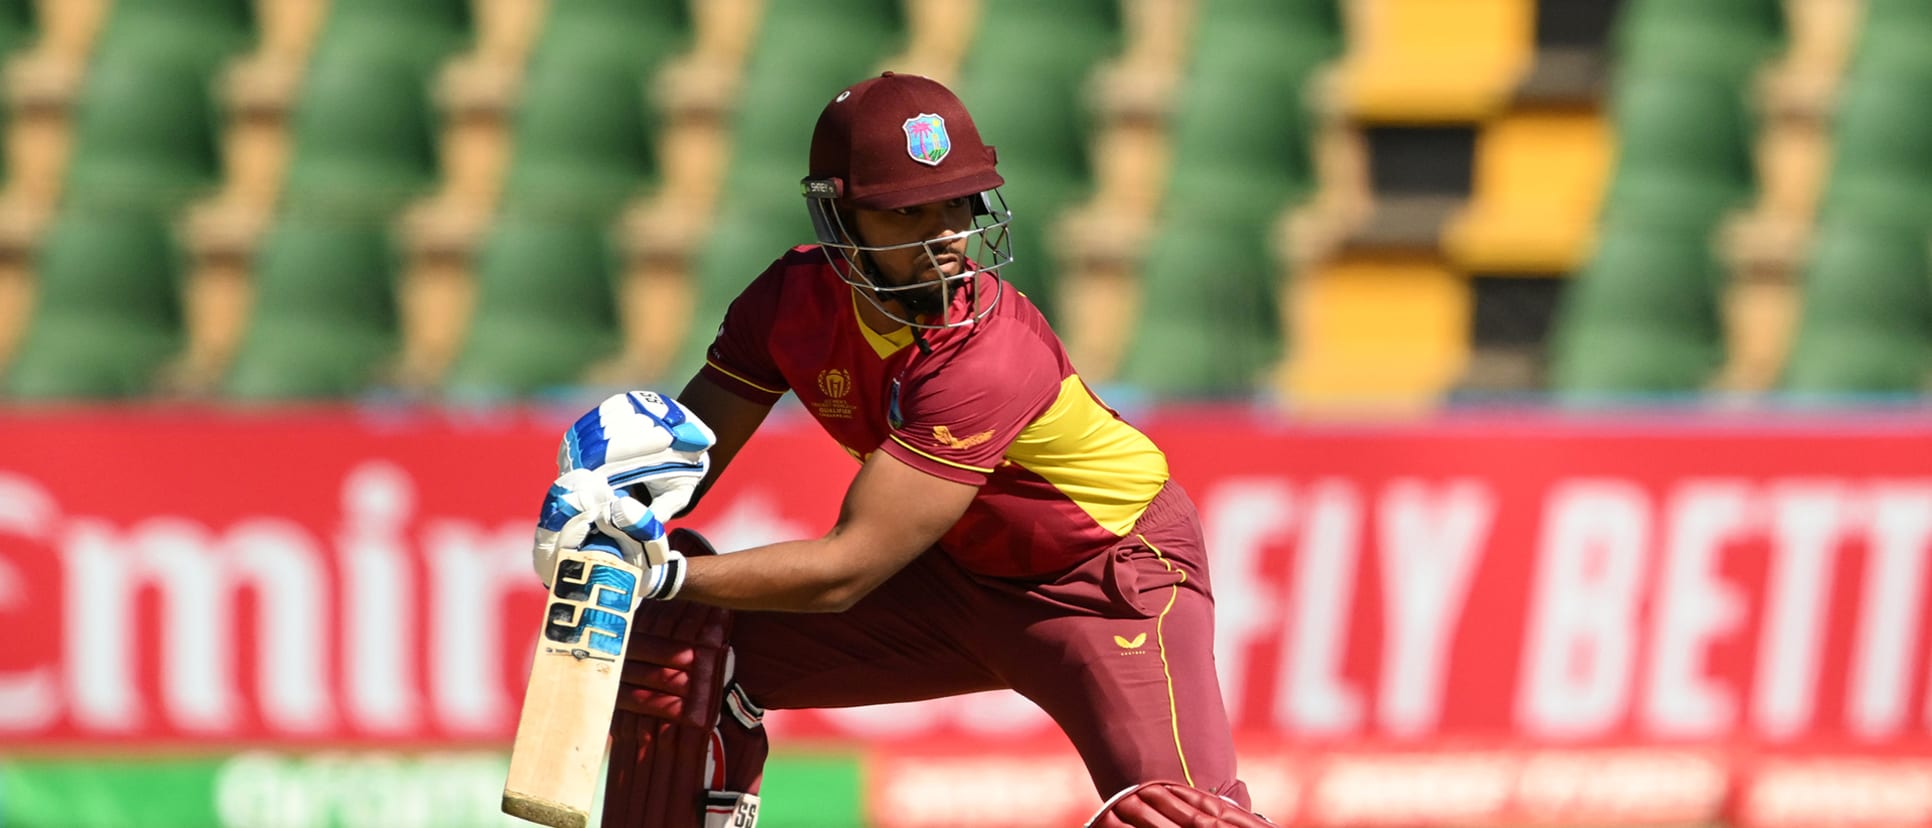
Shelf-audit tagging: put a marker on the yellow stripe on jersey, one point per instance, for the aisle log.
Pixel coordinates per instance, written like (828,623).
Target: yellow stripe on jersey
(722,370)
(1105,466)
(937,459)
(883,344)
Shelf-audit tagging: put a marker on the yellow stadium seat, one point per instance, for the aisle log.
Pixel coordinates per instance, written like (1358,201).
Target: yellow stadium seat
(1379,331)
(1433,61)
(1540,175)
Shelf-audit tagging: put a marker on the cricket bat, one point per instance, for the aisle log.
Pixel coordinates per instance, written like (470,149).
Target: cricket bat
(567,705)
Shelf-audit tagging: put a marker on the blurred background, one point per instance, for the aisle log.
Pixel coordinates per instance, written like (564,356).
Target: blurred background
(1321,204)
(1579,346)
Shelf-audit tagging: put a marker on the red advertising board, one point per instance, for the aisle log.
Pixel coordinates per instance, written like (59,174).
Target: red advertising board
(1541,614)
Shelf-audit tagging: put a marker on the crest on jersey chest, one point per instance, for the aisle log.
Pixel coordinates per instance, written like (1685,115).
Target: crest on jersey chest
(893,417)
(926,139)
(834,385)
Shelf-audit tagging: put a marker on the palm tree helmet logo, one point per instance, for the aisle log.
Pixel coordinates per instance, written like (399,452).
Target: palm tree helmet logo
(926,139)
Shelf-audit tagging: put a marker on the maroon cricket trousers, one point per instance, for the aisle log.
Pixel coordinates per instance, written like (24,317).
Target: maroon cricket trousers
(1119,651)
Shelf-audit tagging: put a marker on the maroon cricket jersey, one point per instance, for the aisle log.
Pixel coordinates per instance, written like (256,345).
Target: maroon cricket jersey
(995,404)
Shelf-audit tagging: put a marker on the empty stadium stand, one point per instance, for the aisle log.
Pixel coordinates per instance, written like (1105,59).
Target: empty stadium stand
(1641,321)
(1866,324)
(107,308)
(1338,205)
(544,309)
(1209,319)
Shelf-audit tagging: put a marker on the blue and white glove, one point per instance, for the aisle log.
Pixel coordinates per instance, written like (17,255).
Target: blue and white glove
(570,510)
(641,539)
(642,440)
(581,511)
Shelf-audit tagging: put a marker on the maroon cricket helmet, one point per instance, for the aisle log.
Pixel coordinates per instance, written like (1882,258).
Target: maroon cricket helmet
(899,140)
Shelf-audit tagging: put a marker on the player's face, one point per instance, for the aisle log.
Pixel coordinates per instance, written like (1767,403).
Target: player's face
(918,263)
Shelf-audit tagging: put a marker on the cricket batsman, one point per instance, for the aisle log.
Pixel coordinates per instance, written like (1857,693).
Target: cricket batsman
(1006,529)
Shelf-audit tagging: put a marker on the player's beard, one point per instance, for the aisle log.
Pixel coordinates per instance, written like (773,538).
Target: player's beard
(928,300)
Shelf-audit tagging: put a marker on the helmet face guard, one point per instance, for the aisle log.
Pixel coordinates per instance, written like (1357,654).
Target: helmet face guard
(929,304)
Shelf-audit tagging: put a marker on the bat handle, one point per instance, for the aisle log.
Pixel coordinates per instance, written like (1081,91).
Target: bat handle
(600,542)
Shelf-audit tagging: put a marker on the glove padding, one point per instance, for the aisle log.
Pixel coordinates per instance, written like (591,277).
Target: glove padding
(1173,805)
(570,510)
(579,502)
(644,441)
(640,538)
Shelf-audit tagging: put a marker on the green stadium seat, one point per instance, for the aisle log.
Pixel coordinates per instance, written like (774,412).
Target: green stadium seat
(107,308)
(203,34)
(1882,14)
(1882,153)
(324,319)
(19,25)
(145,132)
(1725,39)
(363,134)
(1314,26)
(1232,155)
(581,139)
(1866,322)
(1209,322)
(363,131)
(545,307)
(1642,317)
(638,33)
(1684,147)
(1059,41)
(424,32)
(1894,36)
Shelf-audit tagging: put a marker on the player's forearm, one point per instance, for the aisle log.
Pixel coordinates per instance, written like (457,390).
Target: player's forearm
(792,576)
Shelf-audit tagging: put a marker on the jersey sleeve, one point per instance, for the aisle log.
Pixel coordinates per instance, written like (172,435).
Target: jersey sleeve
(957,422)
(740,358)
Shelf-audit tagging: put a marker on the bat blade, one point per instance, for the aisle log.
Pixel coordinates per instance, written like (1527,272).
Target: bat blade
(574,674)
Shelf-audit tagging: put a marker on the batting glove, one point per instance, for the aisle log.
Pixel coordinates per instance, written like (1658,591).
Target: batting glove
(570,510)
(645,441)
(641,539)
